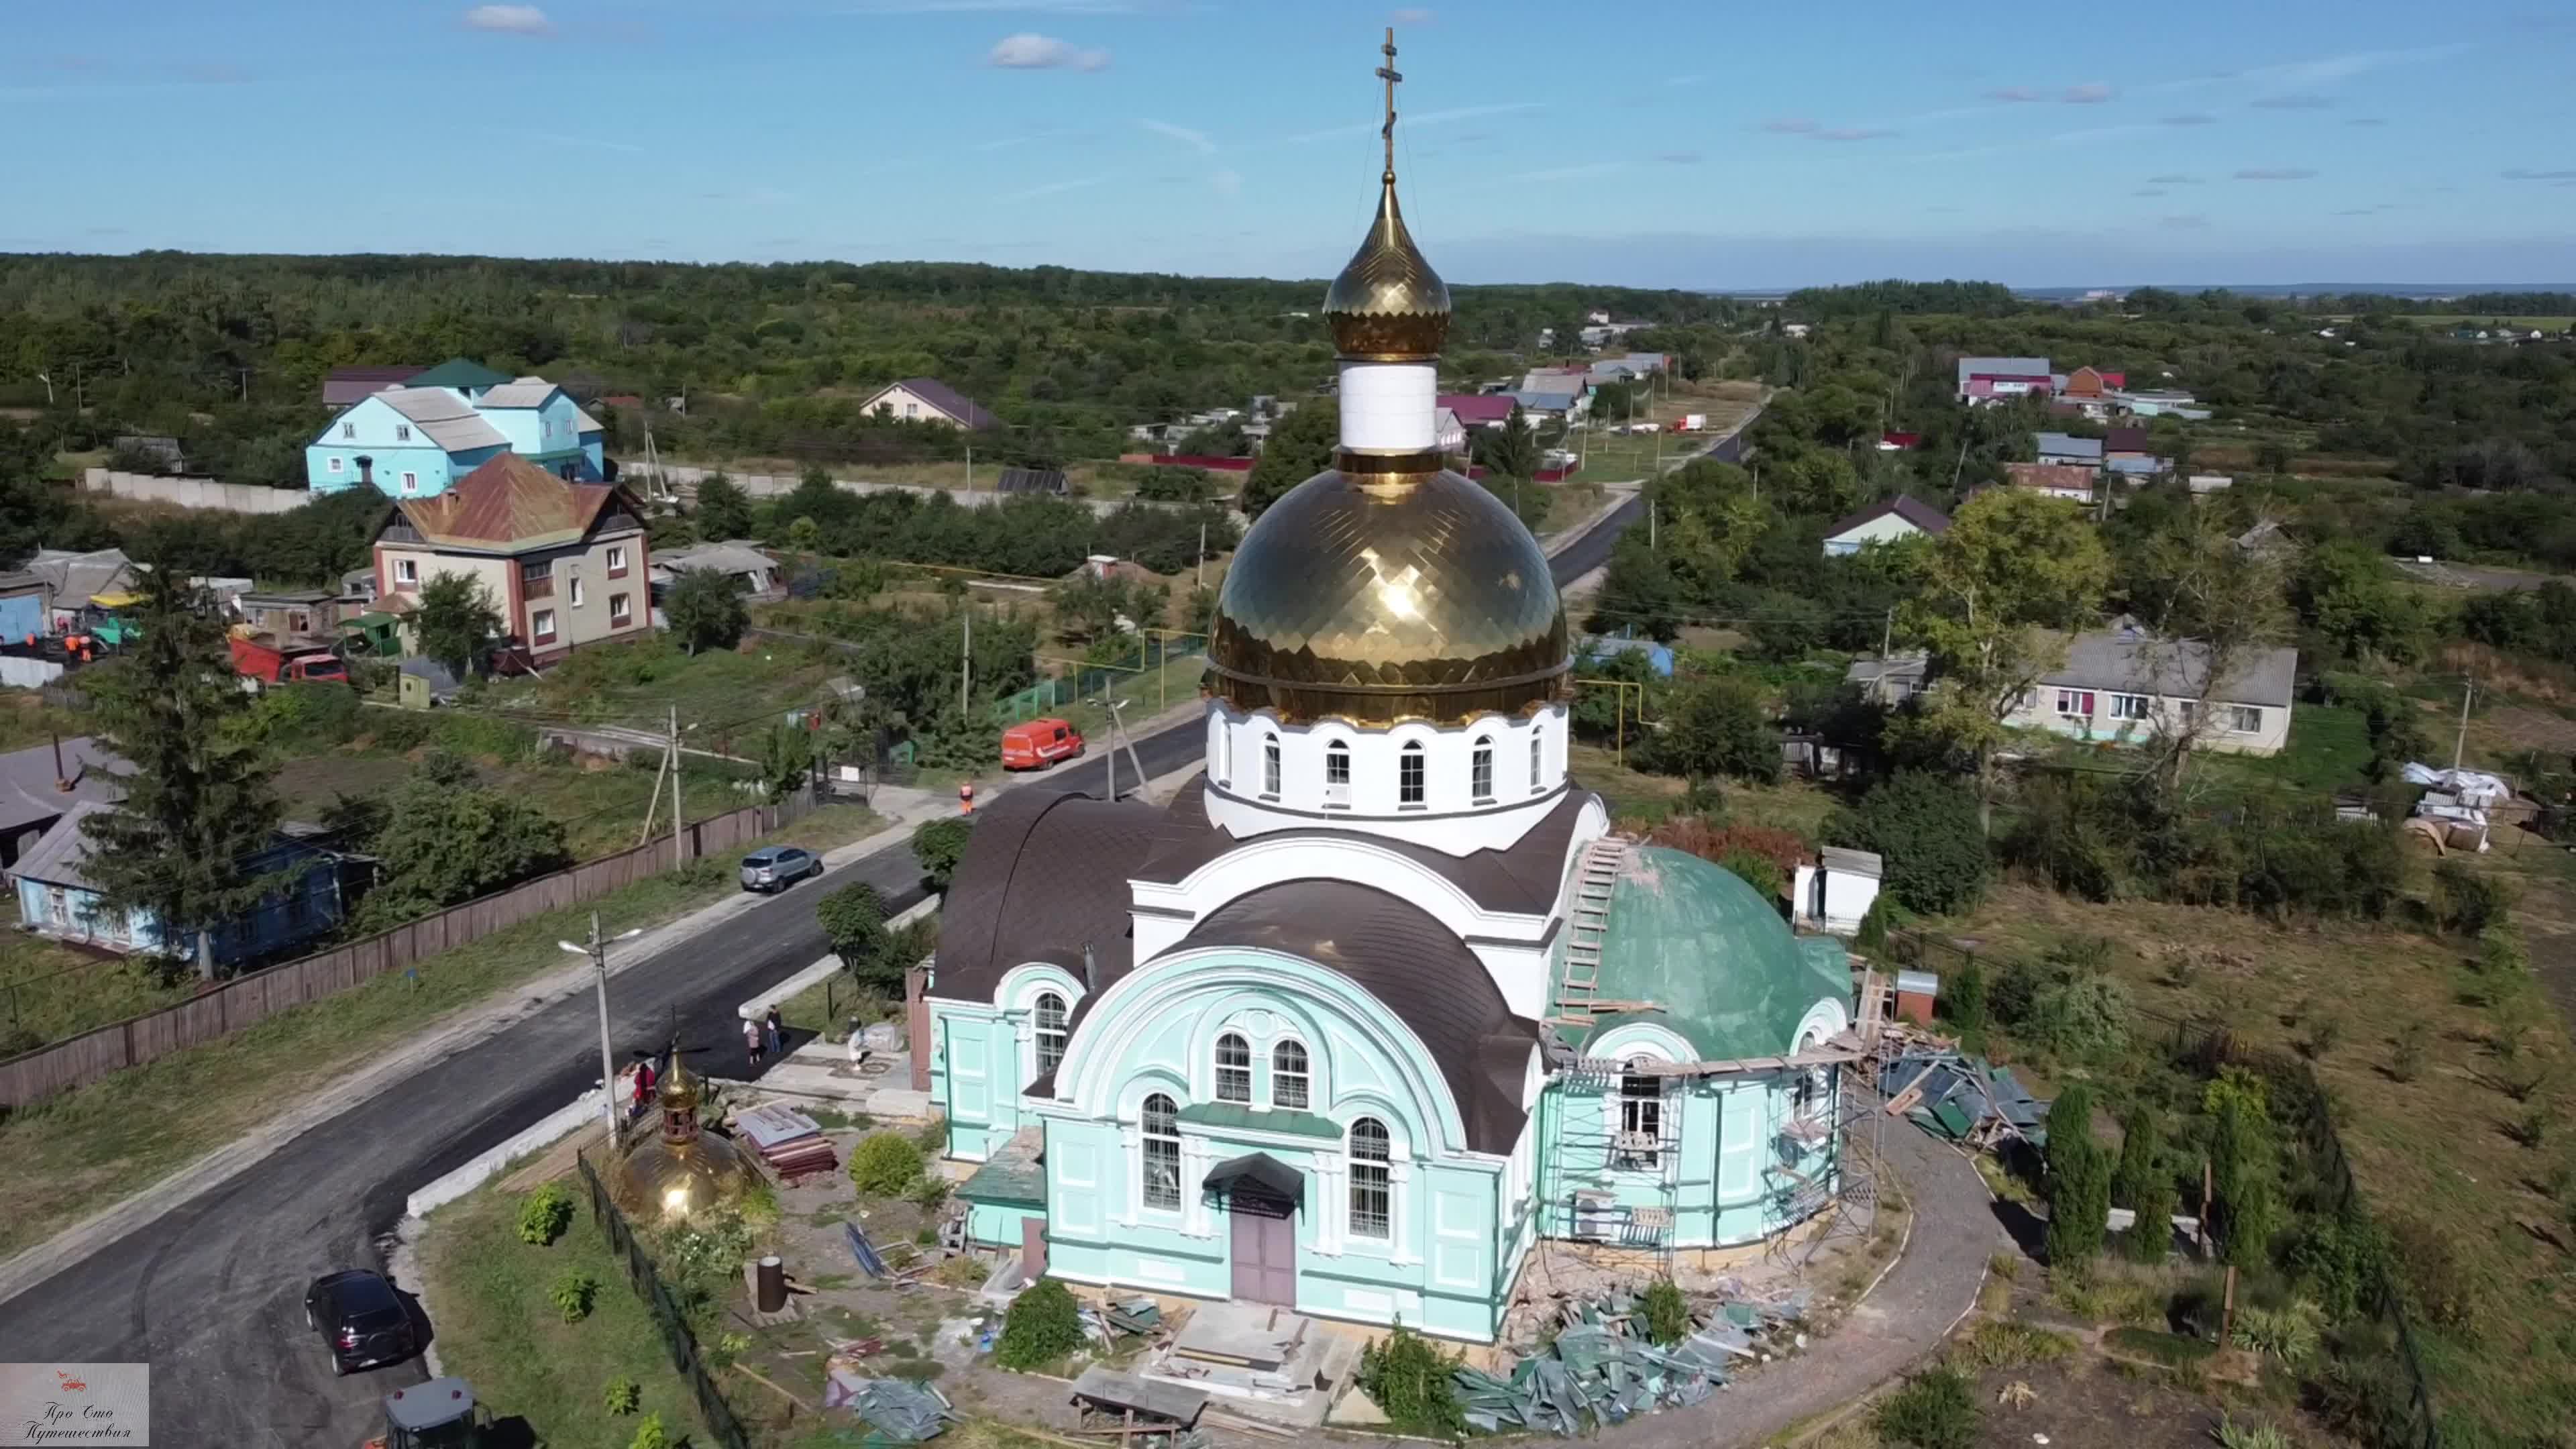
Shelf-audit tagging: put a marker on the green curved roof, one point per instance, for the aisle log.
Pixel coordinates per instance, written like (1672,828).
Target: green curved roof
(1697,941)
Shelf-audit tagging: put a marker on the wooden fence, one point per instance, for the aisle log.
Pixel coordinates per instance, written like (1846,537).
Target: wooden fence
(232,1005)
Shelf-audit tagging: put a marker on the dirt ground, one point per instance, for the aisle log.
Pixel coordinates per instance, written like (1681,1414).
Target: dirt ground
(2087,1400)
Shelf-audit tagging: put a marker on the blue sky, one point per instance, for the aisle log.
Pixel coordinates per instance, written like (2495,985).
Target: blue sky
(1660,143)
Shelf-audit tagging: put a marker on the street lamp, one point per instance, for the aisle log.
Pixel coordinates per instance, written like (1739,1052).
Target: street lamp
(597,951)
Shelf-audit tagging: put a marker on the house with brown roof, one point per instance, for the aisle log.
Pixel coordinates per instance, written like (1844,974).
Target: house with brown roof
(928,400)
(566,564)
(2069,481)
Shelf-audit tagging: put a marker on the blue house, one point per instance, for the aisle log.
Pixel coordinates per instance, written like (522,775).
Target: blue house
(414,440)
(57,898)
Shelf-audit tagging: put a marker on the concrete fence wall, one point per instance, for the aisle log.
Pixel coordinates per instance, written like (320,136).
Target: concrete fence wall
(194,492)
(243,1001)
(21,673)
(684,479)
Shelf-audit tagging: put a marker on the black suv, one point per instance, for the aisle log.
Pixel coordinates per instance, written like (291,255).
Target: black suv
(360,1317)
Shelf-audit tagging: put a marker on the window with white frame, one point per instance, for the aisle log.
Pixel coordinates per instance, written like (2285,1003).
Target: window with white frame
(2129,706)
(2075,703)
(1537,753)
(1233,1069)
(1049,1023)
(2243,719)
(1337,774)
(1161,1159)
(616,562)
(1409,775)
(541,626)
(1372,1187)
(1480,771)
(1270,766)
(1639,1143)
(1288,1075)
(411,483)
(335,465)
(576,591)
(621,609)
(406,571)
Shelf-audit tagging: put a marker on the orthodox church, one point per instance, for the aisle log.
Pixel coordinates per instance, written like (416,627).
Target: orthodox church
(1378,1000)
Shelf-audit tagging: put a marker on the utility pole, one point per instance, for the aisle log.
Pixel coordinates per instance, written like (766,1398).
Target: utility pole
(679,840)
(1109,747)
(1887,633)
(1118,724)
(970,467)
(1198,568)
(597,951)
(965,656)
(1650,523)
(2460,745)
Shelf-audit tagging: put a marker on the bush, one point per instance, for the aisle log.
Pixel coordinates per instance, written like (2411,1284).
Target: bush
(885,1164)
(1935,1410)
(624,1395)
(572,1294)
(2079,1016)
(1884,915)
(1667,1317)
(1926,829)
(650,1434)
(2466,900)
(2343,1262)
(544,1214)
(2232,1434)
(2367,1401)
(1044,1324)
(1408,1378)
(2435,1284)
(938,845)
(2145,1183)
(2291,1333)
(1718,726)
(2406,1060)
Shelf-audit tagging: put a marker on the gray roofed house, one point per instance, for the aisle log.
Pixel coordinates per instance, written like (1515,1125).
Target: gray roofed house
(2066,448)
(59,858)
(2125,685)
(754,571)
(444,417)
(523,392)
(1891,680)
(31,799)
(347,386)
(1546,402)
(1901,517)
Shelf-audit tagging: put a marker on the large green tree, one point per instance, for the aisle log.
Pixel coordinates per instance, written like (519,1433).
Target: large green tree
(724,510)
(456,621)
(198,806)
(1299,447)
(705,609)
(1718,727)
(446,837)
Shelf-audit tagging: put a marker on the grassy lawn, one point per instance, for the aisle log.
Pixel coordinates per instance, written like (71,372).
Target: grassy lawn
(82,1150)
(720,695)
(2438,1148)
(1635,797)
(49,991)
(2329,746)
(26,720)
(496,1329)
(1143,695)
(1617,457)
(601,803)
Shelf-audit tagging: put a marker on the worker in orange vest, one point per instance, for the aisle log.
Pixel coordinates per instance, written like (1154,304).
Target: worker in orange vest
(966,798)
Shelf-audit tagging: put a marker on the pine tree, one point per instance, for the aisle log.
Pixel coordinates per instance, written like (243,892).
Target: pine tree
(198,804)
(2079,1180)
(2145,1183)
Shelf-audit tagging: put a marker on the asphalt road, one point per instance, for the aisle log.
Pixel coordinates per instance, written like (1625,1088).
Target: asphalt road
(211,1294)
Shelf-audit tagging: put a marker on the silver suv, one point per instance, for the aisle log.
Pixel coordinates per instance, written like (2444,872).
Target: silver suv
(776,867)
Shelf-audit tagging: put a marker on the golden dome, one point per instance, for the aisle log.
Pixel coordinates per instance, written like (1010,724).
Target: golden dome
(1388,305)
(685,1170)
(1384,596)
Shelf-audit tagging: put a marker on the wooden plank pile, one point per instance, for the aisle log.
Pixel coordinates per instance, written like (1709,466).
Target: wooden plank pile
(791,1143)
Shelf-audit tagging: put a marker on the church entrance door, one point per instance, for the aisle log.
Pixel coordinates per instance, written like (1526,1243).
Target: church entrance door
(1265,1247)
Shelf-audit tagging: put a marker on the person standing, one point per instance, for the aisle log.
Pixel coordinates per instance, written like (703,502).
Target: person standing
(751,1041)
(644,1079)
(777,1027)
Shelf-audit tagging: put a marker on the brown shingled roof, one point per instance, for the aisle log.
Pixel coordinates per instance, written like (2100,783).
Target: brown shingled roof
(506,505)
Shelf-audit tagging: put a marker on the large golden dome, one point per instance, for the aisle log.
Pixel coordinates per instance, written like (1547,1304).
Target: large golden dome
(1378,597)
(1388,305)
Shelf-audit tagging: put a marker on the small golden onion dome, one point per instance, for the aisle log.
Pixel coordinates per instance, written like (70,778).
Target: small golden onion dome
(1388,305)
(1380,596)
(685,1170)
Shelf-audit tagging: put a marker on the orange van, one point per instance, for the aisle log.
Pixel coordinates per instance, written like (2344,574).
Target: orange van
(1038,743)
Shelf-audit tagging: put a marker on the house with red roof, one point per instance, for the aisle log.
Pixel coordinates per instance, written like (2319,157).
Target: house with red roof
(565,564)
(1479,409)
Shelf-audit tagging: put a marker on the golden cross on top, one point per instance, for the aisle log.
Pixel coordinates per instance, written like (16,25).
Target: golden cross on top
(1390,75)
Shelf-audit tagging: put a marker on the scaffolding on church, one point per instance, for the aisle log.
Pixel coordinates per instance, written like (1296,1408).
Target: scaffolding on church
(1615,1144)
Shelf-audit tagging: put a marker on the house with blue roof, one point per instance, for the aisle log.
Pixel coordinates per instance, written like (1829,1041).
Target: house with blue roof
(415,439)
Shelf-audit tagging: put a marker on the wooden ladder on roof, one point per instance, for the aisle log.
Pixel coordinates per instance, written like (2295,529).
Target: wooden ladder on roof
(1578,990)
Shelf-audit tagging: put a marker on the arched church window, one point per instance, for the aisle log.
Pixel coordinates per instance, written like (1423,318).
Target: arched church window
(1233,1069)
(1408,775)
(1536,754)
(1162,1162)
(1372,1195)
(1337,773)
(1640,1142)
(1480,771)
(1050,1031)
(1270,766)
(1288,1075)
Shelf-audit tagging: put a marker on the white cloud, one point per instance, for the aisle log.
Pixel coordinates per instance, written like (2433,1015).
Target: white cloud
(1196,140)
(2275,173)
(2148,191)
(1031,51)
(2520,173)
(509,19)
(1412,15)
(2091,93)
(1679,158)
(2017,95)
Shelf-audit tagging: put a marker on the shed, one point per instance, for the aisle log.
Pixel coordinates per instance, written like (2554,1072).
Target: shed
(1915,992)
(1836,890)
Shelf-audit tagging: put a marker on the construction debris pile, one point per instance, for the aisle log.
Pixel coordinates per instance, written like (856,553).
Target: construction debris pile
(1960,1096)
(1600,1370)
(789,1141)
(898,1411)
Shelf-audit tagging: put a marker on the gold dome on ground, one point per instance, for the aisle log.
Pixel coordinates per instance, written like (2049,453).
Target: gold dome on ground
(1388,305)
(685,1170)
(1383,597)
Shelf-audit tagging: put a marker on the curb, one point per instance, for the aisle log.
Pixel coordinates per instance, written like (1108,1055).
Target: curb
(824,966)
(486,1165)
